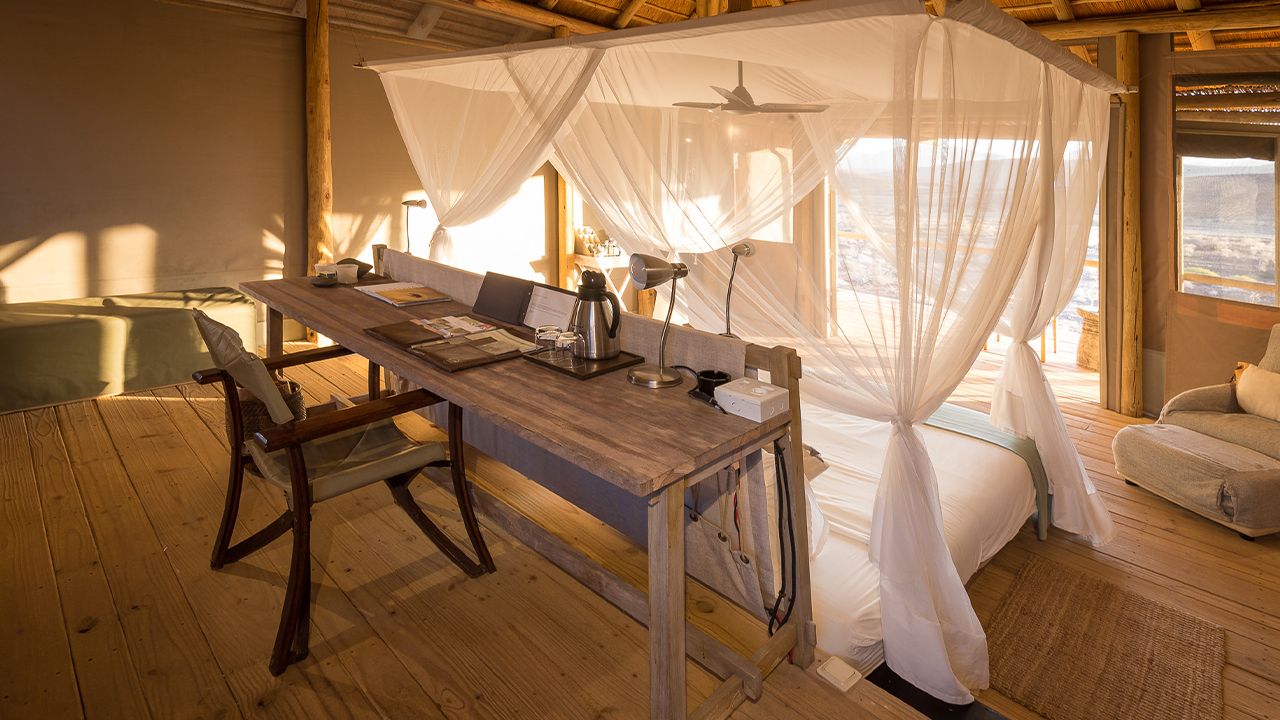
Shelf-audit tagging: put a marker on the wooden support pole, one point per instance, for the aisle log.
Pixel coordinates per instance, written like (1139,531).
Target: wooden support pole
(319,136)
(1130,232)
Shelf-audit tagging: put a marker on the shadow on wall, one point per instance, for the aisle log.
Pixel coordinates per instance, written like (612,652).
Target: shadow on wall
(188,172)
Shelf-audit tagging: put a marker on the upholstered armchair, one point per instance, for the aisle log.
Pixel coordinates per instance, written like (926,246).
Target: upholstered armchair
(337,448)
(1209,455)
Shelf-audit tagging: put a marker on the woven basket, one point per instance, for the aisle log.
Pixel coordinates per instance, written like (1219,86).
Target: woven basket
(254,415)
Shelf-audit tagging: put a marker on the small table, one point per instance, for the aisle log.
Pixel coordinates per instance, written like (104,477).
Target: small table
(684,442)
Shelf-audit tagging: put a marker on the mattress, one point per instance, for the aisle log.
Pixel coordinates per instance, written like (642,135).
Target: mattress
(986,494)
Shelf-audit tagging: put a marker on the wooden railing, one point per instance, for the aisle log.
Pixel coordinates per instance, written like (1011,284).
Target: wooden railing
(1272,289)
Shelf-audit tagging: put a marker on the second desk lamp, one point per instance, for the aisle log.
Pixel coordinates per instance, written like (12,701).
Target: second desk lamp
(648,272)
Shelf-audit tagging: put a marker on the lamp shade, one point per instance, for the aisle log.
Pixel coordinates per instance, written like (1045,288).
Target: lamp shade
(648,271)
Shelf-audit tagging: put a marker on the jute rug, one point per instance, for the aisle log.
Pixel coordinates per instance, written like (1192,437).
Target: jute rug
(1073,647)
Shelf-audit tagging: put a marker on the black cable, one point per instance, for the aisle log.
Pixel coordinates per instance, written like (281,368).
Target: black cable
(784,512)
(791,538)
(687,369)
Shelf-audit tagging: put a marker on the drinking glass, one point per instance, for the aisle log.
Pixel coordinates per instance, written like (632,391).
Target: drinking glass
(544,336)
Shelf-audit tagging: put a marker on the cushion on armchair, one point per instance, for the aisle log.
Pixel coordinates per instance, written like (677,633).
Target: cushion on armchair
(1258,392)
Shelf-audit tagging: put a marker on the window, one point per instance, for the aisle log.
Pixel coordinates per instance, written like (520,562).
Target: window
(1227,217)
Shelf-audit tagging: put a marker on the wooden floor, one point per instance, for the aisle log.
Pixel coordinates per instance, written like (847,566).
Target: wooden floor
(111,609)
(1160,551)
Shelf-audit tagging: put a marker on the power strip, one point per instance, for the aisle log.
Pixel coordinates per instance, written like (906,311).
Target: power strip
(838,673)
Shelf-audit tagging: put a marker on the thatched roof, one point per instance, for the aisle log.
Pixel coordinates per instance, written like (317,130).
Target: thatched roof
(459,24)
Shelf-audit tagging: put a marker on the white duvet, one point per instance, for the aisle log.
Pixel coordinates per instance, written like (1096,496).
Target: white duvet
(986,495)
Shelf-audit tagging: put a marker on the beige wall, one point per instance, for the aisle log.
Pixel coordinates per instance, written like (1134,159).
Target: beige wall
(1202,337)
(147,145)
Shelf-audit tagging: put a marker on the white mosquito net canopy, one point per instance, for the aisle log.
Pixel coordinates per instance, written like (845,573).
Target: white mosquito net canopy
(968,150)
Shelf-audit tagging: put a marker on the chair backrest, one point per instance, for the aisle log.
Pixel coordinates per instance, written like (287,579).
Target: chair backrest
(229,355)
(1271,359)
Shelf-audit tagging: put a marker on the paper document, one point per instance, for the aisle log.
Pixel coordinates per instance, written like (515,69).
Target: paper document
(549,307)
(453,325)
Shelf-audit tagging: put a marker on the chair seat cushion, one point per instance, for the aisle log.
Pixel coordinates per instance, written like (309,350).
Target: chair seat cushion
(1235,428)
(349,460)
(1225,482)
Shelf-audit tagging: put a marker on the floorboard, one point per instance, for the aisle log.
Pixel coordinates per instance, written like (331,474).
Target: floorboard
(111,504)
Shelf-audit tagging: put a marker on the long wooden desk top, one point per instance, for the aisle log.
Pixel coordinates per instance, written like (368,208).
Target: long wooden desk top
(638,439)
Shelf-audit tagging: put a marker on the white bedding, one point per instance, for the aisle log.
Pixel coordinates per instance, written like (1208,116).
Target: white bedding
(986,495)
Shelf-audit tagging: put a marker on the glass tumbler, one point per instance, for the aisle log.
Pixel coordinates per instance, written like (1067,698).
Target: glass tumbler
(544,336)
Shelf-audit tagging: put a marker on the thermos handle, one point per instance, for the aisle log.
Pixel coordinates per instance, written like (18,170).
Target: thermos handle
(617,315)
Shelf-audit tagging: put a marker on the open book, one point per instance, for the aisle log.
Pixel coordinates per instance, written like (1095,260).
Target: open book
(453,342)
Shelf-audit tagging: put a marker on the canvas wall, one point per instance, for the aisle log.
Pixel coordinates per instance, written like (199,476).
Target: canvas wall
(149,145)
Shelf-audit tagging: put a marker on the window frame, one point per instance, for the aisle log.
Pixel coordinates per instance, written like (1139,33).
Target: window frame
(1181,276)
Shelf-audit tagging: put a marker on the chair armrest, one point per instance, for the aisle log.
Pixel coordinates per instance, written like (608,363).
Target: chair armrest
(296,433)
(1213,398)
(279,362)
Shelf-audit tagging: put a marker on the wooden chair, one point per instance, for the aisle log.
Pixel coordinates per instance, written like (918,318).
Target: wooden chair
(338,448)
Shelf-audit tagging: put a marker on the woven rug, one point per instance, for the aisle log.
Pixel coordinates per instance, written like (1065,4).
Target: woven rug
(1072,647)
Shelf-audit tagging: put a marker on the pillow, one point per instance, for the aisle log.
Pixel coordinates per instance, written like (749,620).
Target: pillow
(1258,392)
(228,353)
(1240,367)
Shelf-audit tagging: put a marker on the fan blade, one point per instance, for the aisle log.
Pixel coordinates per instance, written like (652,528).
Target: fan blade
(698,105)
(727,94)
(785,108)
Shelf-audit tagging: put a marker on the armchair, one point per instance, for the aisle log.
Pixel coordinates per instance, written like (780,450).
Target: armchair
(1208,455)
(336,449)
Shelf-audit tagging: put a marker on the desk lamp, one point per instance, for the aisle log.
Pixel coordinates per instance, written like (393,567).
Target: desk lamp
(647,272)
(740,250)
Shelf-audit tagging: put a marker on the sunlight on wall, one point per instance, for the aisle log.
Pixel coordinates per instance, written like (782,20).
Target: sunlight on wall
(126,259)
(273,262)
(355,234)
(509,241)
(53,268)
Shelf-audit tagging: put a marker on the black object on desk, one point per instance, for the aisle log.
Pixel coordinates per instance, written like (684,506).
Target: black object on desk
(582,368)
(503,298)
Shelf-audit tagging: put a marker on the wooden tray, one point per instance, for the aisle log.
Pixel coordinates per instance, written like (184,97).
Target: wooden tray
(584,369)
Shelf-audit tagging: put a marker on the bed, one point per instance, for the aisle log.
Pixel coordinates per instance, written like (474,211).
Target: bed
(987,493)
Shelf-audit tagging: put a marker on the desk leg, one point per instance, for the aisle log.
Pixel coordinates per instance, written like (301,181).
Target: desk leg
(666,604)
(275,332)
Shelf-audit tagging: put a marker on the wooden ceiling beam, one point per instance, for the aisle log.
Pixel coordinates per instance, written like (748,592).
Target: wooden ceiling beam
(354,27)
(628,12)
(1219,18)
(1200,39)
(520,12)
(425,22)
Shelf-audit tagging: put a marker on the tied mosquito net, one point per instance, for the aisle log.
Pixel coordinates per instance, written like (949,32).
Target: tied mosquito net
(969,150)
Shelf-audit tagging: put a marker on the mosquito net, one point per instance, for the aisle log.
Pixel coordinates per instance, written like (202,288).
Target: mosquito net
(968,148)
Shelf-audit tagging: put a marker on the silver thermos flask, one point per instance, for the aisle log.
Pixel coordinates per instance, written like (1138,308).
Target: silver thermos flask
(595,319)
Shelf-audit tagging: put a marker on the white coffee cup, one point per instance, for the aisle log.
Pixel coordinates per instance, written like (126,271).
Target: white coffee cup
(326,270)
(347,273)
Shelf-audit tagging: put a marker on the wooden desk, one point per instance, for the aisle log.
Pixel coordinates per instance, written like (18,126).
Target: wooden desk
(651,443)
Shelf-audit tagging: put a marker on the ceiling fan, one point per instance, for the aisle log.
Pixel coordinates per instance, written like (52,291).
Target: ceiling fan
(739,102)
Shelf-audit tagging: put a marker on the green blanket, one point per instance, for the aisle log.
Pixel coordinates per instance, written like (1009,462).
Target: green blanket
(64,350)
(964,421)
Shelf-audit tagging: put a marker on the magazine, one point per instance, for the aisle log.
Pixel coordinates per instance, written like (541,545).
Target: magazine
(403,294)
